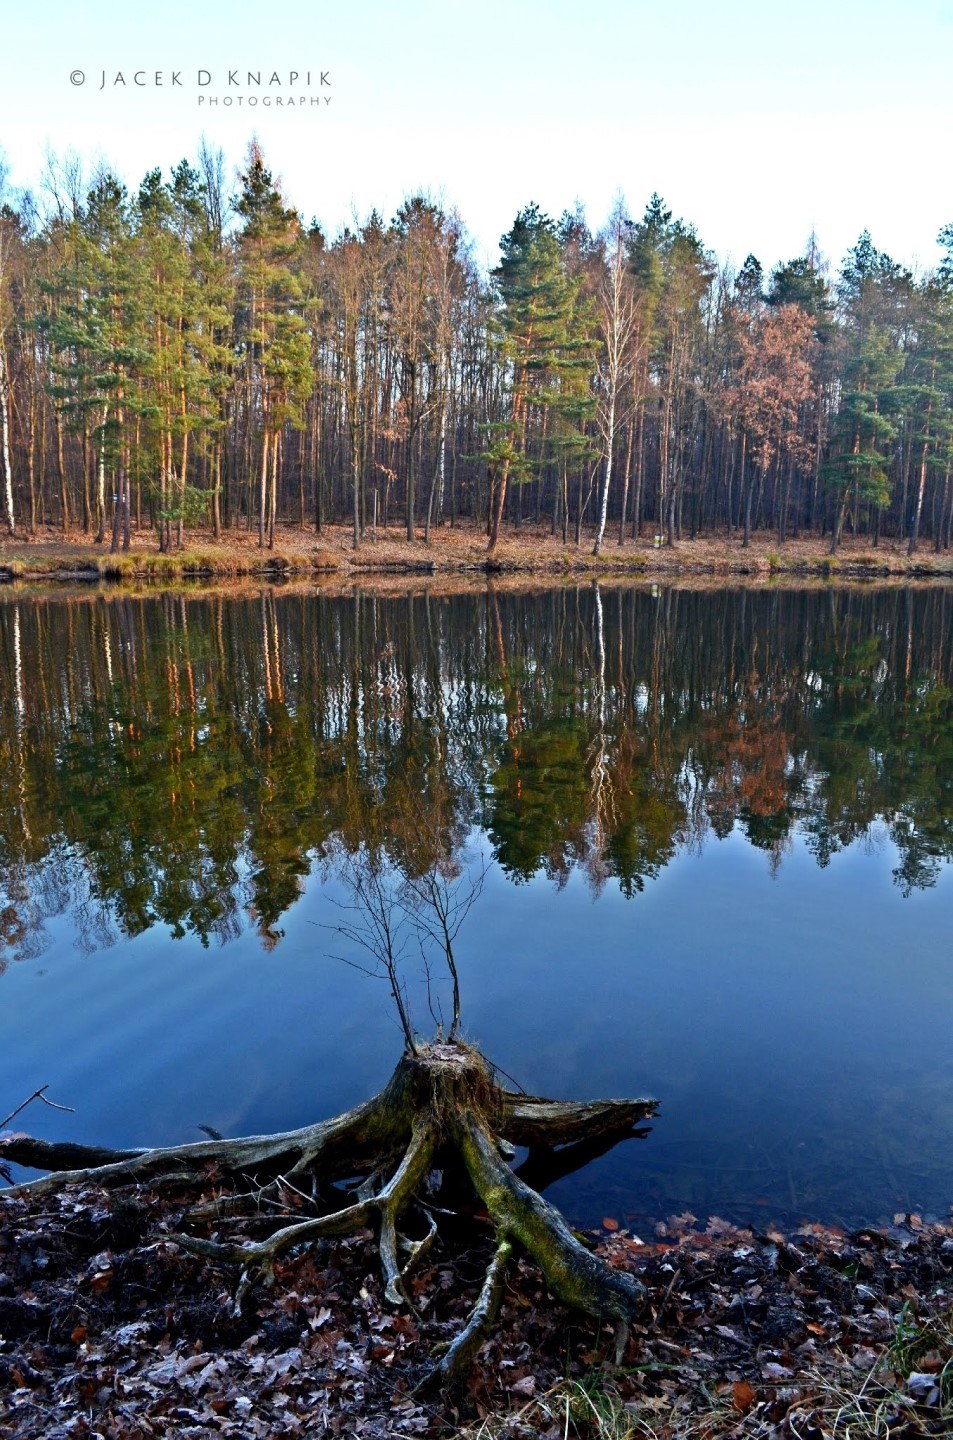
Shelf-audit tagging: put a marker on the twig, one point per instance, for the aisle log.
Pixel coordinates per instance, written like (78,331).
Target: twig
(665,1299)
(283,1180)
(498,1070)
(37,1095)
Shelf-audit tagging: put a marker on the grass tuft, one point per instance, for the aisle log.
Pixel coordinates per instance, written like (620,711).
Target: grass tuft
(907,1392)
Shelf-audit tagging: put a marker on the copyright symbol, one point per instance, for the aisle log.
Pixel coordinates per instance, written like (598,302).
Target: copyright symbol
(77,78)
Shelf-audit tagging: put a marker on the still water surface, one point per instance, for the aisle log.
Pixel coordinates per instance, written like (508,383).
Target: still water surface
(718,827)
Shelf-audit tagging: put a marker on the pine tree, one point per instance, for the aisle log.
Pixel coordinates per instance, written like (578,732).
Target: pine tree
(274,341)
(866,422)
(675,272)
(926,394)
(185,311)
(98,331)
(544,334)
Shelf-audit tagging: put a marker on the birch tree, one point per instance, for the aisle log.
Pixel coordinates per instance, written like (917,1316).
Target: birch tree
(9,228)
(617,311)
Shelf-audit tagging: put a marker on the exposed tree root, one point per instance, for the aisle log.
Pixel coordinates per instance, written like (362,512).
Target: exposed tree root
(579,1278)
(464,1349)
(441,1106)
(291,1152)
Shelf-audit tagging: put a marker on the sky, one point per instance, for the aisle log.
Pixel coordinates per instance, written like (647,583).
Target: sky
(757,122)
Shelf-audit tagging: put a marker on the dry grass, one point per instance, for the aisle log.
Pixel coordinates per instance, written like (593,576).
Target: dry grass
(531,550)
(908,1391)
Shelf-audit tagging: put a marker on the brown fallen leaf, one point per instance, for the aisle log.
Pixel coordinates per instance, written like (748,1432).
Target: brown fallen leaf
(742,1396)
(609,1224)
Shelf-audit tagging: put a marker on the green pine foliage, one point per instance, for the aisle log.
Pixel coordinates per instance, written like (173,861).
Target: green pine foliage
(179,356)
(543,333)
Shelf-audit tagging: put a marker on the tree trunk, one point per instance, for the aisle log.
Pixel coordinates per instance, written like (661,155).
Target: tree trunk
(626,479)
(497,501)
(101,483)
(746,491)
(263,496)
(61,471)
(604,500)
(941,524)
(217,491)
(5,445)
(918,505)
(273,491)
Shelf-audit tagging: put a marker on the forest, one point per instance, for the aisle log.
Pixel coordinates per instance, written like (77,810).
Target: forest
(184,356)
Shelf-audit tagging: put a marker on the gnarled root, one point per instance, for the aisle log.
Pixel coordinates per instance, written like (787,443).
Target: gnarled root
(530,1120)
(464,1349)
(291,1152)
(576,1276)
(441,1099)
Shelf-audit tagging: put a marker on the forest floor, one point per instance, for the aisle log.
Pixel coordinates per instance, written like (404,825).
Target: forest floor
(107,1329)
(461,551)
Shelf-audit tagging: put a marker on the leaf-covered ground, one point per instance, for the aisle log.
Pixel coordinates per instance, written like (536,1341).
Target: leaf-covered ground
(107,1329)
(531,550)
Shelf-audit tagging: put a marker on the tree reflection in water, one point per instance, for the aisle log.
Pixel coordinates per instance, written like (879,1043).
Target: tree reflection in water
(186,760)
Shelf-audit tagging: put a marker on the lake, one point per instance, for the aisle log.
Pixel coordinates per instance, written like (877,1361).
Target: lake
(716,828)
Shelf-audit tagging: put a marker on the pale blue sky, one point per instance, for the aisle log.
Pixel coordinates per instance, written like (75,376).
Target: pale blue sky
(756,121)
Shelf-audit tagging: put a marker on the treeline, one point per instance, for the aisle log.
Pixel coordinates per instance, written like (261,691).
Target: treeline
(184,356)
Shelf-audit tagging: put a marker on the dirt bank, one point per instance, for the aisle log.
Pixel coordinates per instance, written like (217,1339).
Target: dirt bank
(108,1329)
(530,551)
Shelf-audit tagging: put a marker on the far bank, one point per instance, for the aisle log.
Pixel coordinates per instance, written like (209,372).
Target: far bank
(530,550)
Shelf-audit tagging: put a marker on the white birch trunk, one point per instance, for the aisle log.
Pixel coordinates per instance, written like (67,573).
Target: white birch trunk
(5,431)
(604,502)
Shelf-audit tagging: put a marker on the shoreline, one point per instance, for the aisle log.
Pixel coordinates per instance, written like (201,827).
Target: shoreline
(815,1332)
(460,553)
